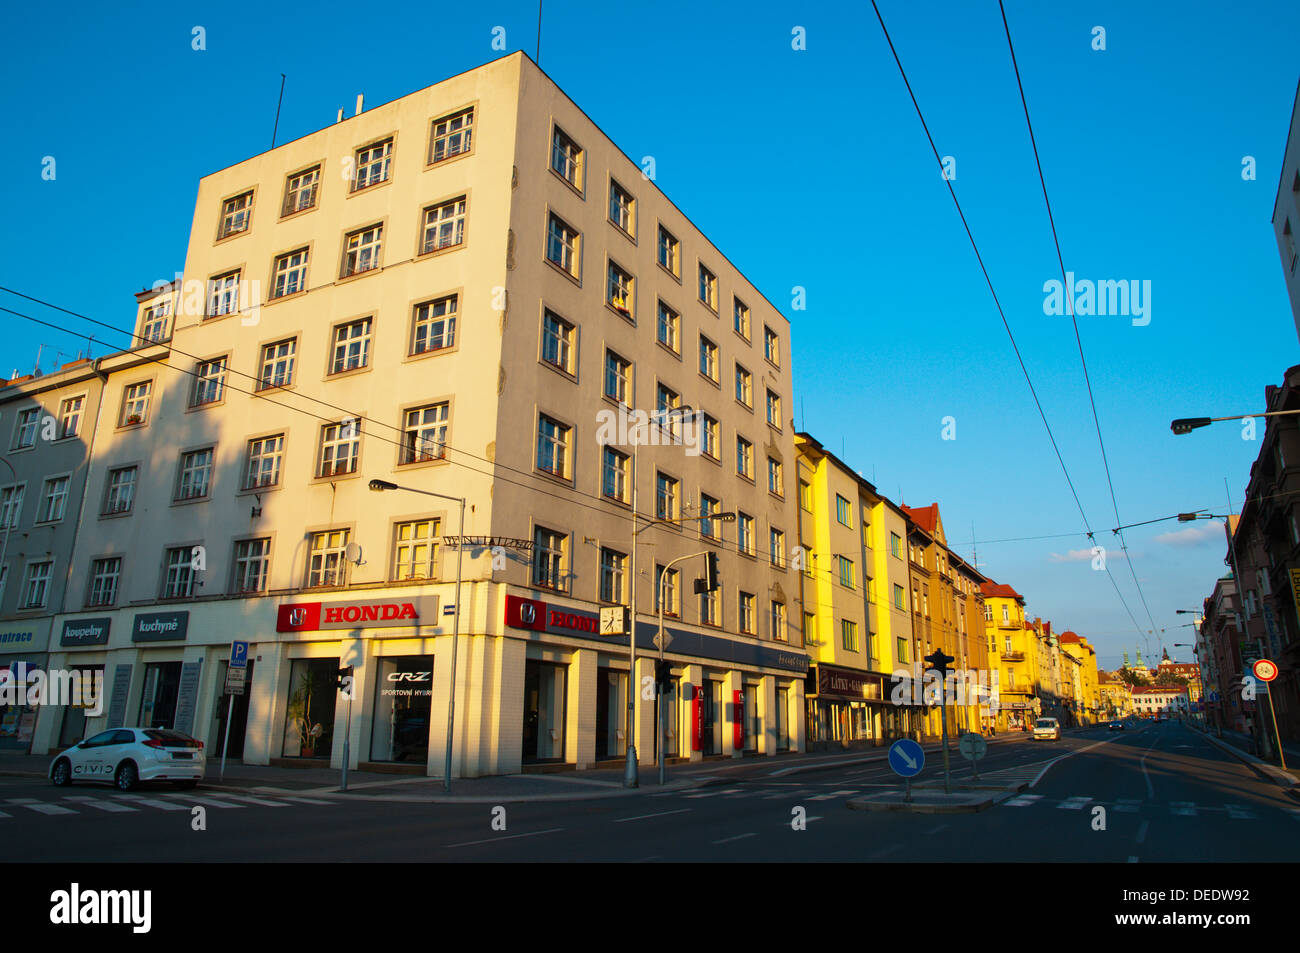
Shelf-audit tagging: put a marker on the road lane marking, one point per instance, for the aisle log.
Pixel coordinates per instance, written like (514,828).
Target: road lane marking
(1142,831)
(883,851)
(1239,813)
(48,808)
(1183,808)
(642,817)
(4,815)
(1151,791)
(1126,805)
(493,840)
(151,802)
(935,830)
(1132,860)
(1024,800)
(254,800)
(308,800)
(210,801)
(728,840)
(1073,803)
(110,806)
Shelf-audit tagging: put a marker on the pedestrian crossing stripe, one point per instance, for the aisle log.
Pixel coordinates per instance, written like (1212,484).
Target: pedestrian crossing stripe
(1183,808)
(1024,800)
(133,803)
(1073,804)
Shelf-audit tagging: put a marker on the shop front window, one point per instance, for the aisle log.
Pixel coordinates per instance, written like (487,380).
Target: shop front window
(669,698)
(403,702)
(783,719)
(611,709)
(162,683)
(73,728)
(309,721)
(753,726)
(544,698)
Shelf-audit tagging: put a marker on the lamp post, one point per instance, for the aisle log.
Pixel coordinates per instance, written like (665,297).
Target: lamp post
(1187,424)
(378,486)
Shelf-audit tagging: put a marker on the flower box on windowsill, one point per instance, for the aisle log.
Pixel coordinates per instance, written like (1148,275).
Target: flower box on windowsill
(134,419)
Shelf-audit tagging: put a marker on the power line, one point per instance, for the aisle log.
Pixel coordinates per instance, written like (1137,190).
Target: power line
(1073,317)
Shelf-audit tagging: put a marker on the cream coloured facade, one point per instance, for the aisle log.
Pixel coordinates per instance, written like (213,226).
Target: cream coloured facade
(453,292)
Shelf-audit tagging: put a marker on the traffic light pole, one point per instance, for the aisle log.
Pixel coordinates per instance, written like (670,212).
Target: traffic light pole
(659,688)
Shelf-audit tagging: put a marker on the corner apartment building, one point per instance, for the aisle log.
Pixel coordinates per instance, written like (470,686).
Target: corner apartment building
(1013,654)
(857,627)
(452,292)
(1086,703)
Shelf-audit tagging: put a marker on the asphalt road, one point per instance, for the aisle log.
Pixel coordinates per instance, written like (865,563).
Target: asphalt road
(1167,795)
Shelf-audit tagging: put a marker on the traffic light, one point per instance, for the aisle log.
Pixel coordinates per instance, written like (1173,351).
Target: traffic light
(663,672)
(711,582)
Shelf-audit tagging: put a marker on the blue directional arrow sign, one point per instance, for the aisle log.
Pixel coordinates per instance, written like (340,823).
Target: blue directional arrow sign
(238,654)
(906,758)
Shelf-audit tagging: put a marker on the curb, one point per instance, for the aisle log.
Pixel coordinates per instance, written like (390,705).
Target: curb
(1269,772)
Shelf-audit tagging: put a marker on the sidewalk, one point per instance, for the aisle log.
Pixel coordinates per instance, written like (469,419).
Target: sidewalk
(1242,746)
(557,786)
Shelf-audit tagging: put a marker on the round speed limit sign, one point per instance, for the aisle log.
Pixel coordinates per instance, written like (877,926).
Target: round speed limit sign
(1265,670)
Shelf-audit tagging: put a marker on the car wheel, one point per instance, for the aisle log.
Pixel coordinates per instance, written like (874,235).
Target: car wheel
(62,775)
(128,776)
(186,785)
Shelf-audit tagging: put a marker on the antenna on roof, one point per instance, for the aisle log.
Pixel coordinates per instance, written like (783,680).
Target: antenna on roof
(276,130)
(539,32)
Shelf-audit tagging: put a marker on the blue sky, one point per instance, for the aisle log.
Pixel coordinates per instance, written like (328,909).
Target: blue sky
(808,168)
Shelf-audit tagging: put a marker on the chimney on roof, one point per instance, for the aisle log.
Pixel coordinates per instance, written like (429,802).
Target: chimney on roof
(340,118)
(360,103)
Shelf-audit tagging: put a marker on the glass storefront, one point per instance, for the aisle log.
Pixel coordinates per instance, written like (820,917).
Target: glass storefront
(309,719)
(611,714)
(544,696)
(73,728)
(753,724)
(237,713)
(672,737)
(17,722)
(783,719)
(403,700)
(711,720)
(162,683)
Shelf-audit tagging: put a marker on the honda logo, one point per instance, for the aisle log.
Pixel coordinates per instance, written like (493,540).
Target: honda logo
(527,613)
(297,616)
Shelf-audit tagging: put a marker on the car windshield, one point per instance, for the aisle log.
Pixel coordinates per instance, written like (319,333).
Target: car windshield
(172,739)
(1047,723)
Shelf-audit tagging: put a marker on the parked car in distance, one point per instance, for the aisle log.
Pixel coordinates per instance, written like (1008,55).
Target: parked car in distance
(124,757)
(1047,729)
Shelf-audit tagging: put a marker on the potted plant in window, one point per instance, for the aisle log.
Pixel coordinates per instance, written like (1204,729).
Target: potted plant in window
(300,719)
(133,419)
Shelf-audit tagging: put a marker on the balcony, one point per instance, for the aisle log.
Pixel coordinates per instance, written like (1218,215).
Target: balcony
(1013,656)
(1008,624)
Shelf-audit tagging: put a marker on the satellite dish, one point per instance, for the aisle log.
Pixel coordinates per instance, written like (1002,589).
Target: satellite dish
(353,553)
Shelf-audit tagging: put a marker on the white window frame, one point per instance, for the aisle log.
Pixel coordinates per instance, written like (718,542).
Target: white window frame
(444,226)
(433,324)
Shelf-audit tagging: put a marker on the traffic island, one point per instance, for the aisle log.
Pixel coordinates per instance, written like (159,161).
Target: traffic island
(930,802)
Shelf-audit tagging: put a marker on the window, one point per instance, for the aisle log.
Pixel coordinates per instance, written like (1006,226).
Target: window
(776,548)
(843,511)
(665,497)
(708,359)
(70,417)
(895,545)
(300,190)
(36,587)
(223,294)
(121,490)
(667,401)
(805,496)
(670,252)
(25,432)
(1006,613)
(740,317)
(771,346)
(277,364)
(196,474)
(372,164)
(156,322)
(849,635)
(434,325)
(612,574)
(444,226)
(709,608)
(552,447)
(209,381)
(844,568)
(54,500)
(290,274)
(327,558)
(361,250)
(809,561)
(104,574)
(666,587)
(11,505)
(557,341)
(548,558)
(618,291)
(415,549)
(744,387)
(452,135)
(351,346)
(562,245)
(988,613)
(669,326)
(745,613)
(709,288)
(711,529)
(252,564)
(618,378)
(340,446)
(614,474)
(902,650)
(566,158)
(777,617)
(774,409)
(265,455)
(745,533)
(424,434)
(135,403)
(775,482)
(235,214)
(744,457)
(711,435)
(622,208)
(178,579)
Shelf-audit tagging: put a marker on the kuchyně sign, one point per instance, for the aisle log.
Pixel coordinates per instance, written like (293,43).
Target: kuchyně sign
(389,612)
(160,626)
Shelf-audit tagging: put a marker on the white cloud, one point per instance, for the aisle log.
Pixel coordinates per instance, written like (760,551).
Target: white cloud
(1193,536)
(1084,555)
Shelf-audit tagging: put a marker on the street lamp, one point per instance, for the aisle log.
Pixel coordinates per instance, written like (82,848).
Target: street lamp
(379,486)
(1187,424)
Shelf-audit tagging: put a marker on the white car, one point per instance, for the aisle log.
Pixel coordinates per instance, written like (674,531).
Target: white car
(126,756)
(1048,729)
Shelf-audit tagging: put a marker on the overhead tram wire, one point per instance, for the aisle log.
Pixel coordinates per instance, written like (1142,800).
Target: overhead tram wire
(997,303)
(1060,258)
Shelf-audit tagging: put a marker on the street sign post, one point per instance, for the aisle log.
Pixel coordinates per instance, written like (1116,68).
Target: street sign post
(972,748)
(907,758)
(236,673)
(1265,670)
